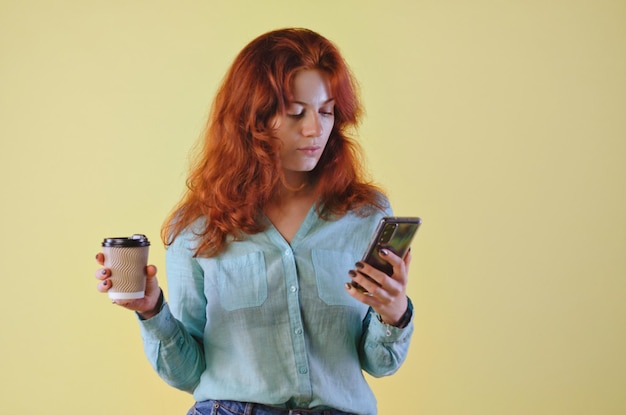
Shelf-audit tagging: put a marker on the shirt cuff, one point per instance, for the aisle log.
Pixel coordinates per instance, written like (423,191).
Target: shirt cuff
(406,317)
(390,332)
(161,327)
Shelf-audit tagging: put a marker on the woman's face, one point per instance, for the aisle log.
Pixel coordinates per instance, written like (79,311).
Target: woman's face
(305,126)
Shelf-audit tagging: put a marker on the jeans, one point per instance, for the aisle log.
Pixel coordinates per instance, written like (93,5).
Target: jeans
(214,407)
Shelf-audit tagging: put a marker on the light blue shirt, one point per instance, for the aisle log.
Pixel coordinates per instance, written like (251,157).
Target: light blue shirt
(270,322)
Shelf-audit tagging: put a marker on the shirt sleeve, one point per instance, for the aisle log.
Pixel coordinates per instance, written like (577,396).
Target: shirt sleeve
(173,338)
(383,347)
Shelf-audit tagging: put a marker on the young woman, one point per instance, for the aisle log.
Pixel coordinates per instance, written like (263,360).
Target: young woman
(260,319)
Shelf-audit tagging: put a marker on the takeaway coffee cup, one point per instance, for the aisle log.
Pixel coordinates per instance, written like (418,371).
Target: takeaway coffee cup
(127,259)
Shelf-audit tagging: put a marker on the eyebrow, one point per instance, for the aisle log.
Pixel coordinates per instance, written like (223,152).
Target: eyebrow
(328,101)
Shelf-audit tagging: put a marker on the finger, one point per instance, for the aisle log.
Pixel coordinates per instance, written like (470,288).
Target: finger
(364,280)
(152,285)
(387,286)
(103,273)
(124,303)
(364,297)
(389,256)
(399,268)
(104,286)
(379,292)
(380,278)
(407,258)
(151,271)
(100,258)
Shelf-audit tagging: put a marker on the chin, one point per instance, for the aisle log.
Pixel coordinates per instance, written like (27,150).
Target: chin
(303,168)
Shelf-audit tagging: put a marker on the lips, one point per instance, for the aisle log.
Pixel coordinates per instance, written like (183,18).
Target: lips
(309,149)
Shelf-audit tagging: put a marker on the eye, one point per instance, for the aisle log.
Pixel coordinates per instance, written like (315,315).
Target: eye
(295,111)
(328,111)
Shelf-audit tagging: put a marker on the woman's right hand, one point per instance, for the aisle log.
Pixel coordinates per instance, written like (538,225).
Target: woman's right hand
(146,306)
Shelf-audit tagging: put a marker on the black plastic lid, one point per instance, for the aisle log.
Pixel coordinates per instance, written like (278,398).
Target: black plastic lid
(137,240)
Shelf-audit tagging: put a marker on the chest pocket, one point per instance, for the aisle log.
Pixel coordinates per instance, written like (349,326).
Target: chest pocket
(242,281)
(331,273)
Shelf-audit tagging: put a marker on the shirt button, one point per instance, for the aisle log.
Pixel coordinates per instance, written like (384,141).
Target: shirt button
(302,370)
(298,331)
(293,288)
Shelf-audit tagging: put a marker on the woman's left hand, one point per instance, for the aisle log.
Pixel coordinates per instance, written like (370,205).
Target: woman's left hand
(385,294)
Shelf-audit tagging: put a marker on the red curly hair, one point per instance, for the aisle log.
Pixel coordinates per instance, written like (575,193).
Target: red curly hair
(238,171)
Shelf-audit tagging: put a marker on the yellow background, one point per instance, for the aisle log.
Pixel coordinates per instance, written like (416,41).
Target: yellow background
(501,123)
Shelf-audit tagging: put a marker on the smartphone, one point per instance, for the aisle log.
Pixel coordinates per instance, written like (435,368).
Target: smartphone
(393,233)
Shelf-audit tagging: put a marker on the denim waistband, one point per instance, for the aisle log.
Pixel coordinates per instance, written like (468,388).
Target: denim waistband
(212,407)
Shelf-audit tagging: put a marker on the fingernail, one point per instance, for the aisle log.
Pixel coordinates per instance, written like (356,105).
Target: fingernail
(104,283)
(383,252)
(103,272)
(352,273)
(348,286)
(359,264)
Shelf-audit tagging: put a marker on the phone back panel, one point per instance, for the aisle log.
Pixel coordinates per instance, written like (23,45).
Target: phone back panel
(395,234)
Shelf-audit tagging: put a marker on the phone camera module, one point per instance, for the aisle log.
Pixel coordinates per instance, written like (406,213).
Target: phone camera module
(388,232)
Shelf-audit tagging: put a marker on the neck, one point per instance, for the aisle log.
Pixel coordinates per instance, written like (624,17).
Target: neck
(296,188)
(296,181)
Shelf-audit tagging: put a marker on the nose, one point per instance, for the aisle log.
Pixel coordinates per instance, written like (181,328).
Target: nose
(312,125)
